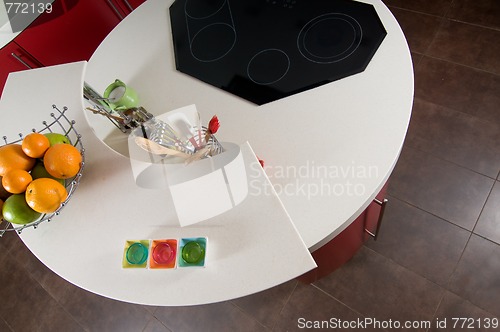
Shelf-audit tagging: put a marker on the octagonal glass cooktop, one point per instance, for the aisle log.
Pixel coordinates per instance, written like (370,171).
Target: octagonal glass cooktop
(264,50)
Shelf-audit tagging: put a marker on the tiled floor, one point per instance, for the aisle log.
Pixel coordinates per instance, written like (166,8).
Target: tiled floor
(438,255)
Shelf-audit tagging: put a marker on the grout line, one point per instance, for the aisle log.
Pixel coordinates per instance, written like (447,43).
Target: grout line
(428,212)
(289,297)
(473,24)
(458,63)
(482,208)
(247,314)
(447,288)
(465,114)
(414,11)
(445,16)
(339,301)
(285,304)
(153,317)
(450,161)
(440,27)
(437,308)
(448,282)
(450,6)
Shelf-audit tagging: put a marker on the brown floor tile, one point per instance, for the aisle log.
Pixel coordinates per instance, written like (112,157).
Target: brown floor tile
(4,327)
(415,58)
(26,306)
(488,224)
(310,308)
(154,325)
(223,316)
(419,29)
(423,243)
(442,188)
(266,306)
(376,287)
(437,7)
(476,278)
(458,87)
(8,240)
(51,282)
(97,313)
(467,44)
(455,136)
(481,12)
(93,312)
(451,140)
(453,307)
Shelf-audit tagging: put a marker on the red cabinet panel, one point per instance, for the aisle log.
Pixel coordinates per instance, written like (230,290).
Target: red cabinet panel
(344,246)
(125,7)
(70,33)
(14,58)
(130,3)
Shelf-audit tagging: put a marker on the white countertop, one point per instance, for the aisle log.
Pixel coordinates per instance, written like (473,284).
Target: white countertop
(6,34)
(248,251)
(24,14)
(351,131)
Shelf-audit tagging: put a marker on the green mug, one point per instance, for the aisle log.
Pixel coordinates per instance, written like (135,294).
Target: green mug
(120,96)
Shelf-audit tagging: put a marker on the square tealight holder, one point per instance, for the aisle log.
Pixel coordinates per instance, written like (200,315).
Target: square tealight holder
(135,254)
(163,254)
(192,252)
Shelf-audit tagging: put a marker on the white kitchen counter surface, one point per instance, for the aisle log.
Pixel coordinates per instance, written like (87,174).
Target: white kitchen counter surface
(6,35)
(328,151)
(252,247)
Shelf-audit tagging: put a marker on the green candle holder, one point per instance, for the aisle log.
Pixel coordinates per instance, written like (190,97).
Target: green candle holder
(192,252)
(135,254)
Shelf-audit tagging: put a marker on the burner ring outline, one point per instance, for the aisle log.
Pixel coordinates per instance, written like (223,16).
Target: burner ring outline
(186,11)
(358,36)
(192,41)
(260,53)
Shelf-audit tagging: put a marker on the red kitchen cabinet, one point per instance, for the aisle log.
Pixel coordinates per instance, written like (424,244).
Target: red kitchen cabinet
(71,32)
(344,246)
(14,58)
(127,6)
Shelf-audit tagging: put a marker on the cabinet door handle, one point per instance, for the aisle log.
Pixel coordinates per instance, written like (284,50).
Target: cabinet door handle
(18,58)
(382,204)
(115,9)
(128,5)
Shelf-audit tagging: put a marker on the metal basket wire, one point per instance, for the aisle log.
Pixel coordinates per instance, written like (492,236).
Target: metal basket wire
(59,123)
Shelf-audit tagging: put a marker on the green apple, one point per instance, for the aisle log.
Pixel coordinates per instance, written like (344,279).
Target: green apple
(56,138)
(15,210)
(39,171)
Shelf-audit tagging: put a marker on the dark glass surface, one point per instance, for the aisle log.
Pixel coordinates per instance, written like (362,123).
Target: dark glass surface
(264,50)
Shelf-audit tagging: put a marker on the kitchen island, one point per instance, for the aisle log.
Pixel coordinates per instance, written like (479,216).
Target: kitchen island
(328,152)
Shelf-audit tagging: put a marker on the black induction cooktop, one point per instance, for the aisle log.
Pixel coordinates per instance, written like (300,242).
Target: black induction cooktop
(264,50)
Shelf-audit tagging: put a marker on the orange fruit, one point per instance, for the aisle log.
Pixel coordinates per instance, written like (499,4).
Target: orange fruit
(4,194)
(35,145)
(45,195)
(16,181)
(62,161)
(12,156)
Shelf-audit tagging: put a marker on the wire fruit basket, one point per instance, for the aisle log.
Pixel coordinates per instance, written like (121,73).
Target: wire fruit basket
(58,123)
